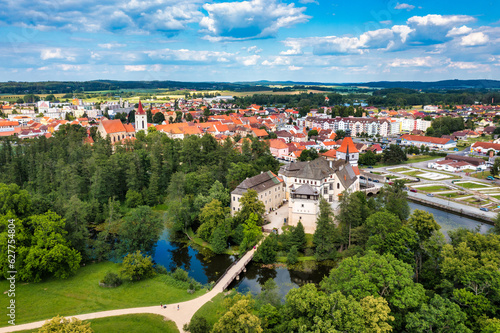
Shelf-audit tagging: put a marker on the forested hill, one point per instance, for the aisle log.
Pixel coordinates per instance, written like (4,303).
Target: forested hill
(446,84)
(63,87)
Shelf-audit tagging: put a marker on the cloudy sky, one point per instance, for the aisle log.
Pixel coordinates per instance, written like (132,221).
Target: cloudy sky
(300,40)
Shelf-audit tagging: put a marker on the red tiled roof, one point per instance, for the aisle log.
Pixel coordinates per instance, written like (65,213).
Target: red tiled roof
(347,142)
(430,139)
(139,109)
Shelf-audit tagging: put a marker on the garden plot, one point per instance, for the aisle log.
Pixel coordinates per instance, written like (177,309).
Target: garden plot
(432,187)
(473,185)
(400,169)
(433,175)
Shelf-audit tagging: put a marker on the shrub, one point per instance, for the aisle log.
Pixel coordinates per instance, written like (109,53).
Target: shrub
(180,275)
(112,280)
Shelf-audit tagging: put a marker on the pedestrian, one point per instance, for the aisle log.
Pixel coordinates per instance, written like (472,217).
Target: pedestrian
(177,307)
(161,305)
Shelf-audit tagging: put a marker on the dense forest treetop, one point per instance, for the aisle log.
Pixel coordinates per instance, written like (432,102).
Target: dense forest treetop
(47,87)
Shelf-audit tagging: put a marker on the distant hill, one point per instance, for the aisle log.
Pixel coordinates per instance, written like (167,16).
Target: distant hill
(445,84)
(53,87)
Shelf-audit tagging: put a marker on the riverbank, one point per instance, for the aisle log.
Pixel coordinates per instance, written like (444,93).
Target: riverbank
(480,216)
(81,294)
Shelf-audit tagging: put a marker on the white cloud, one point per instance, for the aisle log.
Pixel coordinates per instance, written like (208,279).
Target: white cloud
(463,30)
(66,67)
(294,68)
(386,39)
(249,19)
(111,45)
(278,61)
(469,66)
(250,60)
(164,16)
(190,55)
(135,68)
(51,54)
(439,20)
(254,49)
(474,39)
(414,62)
(406,6)
(305,2)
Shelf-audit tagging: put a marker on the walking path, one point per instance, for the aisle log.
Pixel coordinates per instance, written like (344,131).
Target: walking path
(179,317)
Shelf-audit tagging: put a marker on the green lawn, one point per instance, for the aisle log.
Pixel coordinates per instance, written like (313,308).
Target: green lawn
(436,188)
(481,174)
(399,170)
(136,323)
(471,185)
(453,195)
(81,294)
(212,310)
(411,159)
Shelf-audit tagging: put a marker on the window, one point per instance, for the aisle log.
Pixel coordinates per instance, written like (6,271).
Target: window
(234,198)
(331,186)
(302,205)
(338,186)
(330,198)
(325,190)
(234,208)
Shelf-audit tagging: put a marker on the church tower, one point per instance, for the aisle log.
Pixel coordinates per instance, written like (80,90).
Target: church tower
(141,119)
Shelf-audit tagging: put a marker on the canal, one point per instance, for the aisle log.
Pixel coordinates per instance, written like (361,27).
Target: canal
(205,266)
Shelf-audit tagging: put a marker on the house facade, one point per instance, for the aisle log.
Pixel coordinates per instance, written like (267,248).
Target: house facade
(269,187)
(327,179)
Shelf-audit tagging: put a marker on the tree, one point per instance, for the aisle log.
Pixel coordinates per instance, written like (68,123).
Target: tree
(423,223)
(376,315)
(292,256)
(353,212)
(135,266)
(211,216)
(238,319)
(14,200)
(394,154)
(339,134)
(198,324)
(377,275)
(158,118)
(312,133)
(140,230)
(473,262)
(298,237)
(134,199)
(269,294)
(218,240)
(495,168)
(60,324)
(267,251)
(43,251)
(308,155)
(250,204)
(368,158)
(251,232)
(326,233)
(440,315)
(394,199)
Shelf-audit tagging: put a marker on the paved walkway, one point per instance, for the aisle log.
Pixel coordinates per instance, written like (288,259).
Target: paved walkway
(277,218)
(179,317)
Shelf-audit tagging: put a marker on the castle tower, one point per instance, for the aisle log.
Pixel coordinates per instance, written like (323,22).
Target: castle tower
(141,119)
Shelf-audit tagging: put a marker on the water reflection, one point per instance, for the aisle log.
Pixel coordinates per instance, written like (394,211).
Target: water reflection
(450,221)
(201,264)
(205,266)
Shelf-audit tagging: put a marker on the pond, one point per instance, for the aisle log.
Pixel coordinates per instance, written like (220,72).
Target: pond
(205,266)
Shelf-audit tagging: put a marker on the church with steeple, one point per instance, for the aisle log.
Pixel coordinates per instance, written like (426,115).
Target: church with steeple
(141,119)
(348,151)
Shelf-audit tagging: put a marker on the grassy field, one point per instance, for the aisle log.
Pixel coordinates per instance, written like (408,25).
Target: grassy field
(399,170)
(471,185)
(212,310)
(81,294)
(411,159)
(481,174)
(136,323)
(436,188)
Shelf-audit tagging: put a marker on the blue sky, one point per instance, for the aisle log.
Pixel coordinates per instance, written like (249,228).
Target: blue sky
(302,40)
